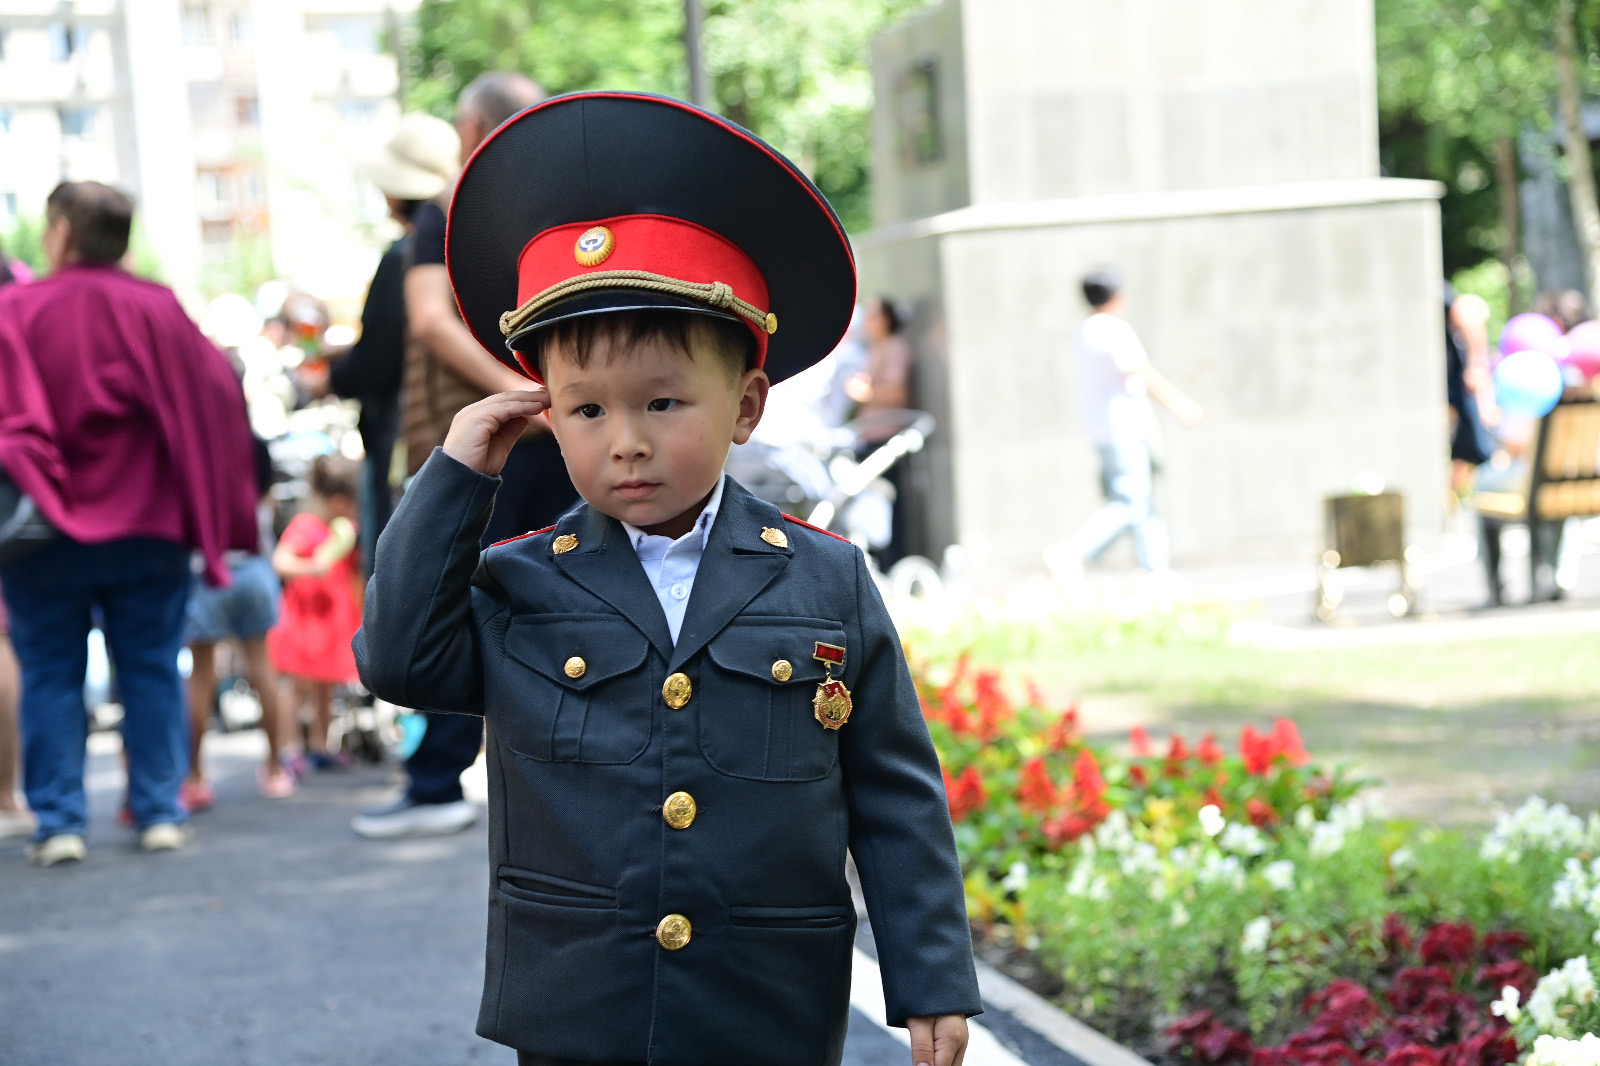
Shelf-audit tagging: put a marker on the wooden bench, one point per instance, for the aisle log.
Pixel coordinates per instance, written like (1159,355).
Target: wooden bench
(1561,482)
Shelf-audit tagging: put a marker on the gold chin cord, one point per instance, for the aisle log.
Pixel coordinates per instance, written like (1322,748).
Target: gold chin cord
(717,294)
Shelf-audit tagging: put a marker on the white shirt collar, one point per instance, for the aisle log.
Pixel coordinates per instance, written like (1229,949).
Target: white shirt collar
(702,526)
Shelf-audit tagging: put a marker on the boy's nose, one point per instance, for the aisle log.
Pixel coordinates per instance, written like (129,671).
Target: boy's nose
(629,443)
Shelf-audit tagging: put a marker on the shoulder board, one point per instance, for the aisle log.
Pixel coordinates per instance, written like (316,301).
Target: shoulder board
(819,529)
(525,536)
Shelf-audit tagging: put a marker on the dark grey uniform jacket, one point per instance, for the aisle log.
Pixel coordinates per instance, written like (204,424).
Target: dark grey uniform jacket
(582,864)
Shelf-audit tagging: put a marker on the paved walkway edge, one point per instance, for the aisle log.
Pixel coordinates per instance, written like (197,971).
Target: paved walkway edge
(1089,1046)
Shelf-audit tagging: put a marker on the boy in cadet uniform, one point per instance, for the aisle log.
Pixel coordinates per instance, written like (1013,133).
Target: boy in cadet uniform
(695,704)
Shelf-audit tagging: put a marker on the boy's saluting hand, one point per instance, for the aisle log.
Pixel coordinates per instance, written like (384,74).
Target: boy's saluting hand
(940,1040)
(482,434)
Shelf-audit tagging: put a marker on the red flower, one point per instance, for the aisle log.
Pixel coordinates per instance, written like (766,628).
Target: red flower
(965,794)
(1063,732)
(1256,751)
(1036,792)
(1413,1055)
(1261,813)
(993,706)
(955,712)
(1285,741)
(1513,972)
(1137,775)
(1214,798)
(1209,1041)
(1345,1002)
(1035,694)
(1504,946)
(1209,751)
(1411,986)
(1065,828)
(1086,780)
(1141,742)
(1177,755)
(1448,944)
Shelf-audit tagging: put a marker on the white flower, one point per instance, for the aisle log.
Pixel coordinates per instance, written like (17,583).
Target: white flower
(1506,1006)
(1537,826)
(1256,933)
(1556,1051)
(1327,839)
(1142,859)
(1280,874)
(1211,820)
(1305,818)
(1224,869)
(1016,879)
(1243,839)
(1180,916)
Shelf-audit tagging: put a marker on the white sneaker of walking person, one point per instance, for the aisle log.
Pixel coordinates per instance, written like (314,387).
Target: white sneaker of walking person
(163,836)
(15,825)
(63,847)
(407,817)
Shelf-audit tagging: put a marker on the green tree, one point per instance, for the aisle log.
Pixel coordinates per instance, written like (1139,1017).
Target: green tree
(793,71)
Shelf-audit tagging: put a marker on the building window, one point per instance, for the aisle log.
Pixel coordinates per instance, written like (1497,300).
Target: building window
(213,190)
(5,119)
(921,139)
(64,41)
(247,110)
(359,114)
(252,188)
(241,30)
(8,209)
(79,123)
(196,27)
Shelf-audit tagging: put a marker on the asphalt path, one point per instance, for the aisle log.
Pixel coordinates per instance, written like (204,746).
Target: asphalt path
(278,936)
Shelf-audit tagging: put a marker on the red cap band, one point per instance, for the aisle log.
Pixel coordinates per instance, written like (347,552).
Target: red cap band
(655,244)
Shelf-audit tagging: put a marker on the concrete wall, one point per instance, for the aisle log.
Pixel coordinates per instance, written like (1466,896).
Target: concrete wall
(904,186)
(1306,335)
(1083,97)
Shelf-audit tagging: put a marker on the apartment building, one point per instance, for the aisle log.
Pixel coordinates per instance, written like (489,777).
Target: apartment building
(233,122)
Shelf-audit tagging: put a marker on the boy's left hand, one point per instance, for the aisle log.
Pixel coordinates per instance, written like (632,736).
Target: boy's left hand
(939,1040)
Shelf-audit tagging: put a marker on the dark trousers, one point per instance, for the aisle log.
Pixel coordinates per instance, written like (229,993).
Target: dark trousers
(140,587)
(534,492)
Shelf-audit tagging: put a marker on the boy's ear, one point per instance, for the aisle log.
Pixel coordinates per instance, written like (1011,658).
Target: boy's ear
(752,403)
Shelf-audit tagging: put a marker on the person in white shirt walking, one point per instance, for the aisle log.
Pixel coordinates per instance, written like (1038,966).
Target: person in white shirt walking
(1115,385)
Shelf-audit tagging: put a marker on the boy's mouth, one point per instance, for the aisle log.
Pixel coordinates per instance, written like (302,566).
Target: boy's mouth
(636,490)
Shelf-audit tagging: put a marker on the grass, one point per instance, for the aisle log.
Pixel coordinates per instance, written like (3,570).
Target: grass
(1452,731)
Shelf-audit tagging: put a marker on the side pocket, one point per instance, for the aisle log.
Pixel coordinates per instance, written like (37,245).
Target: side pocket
(534,887)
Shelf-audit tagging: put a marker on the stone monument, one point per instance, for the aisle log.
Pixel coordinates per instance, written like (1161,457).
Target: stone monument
(1222,154)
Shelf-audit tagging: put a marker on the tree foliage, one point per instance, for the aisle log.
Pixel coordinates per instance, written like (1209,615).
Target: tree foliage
(794,71)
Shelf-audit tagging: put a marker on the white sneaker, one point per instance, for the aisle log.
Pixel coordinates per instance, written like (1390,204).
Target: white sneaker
(63,847)
(406,817)
(14,825)
(163,836)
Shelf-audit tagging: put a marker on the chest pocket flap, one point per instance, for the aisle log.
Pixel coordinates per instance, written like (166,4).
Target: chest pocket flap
(761,723)
(593,705)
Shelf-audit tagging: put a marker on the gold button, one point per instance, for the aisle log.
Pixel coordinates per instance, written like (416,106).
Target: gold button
(576,667)
(782,670)
(677,691)
(679,810)
(564,543)
(771,323)
(673,932)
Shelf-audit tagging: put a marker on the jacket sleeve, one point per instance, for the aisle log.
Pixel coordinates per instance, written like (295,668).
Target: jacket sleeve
(418,642)
(900,831)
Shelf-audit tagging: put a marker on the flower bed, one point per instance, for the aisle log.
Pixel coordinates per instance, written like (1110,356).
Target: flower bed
(1244,904)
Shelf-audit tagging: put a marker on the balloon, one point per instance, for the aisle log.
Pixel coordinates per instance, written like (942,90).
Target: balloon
(1527,383)
(1583,348)
(1531,332)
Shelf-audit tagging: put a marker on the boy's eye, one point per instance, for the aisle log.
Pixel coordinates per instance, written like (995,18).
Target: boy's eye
(663,404)
(590,410)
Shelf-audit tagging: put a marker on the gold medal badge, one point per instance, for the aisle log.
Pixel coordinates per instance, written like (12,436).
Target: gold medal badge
(832,701)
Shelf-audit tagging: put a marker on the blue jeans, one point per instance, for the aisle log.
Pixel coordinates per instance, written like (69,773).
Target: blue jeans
(141,587)
(1128,481)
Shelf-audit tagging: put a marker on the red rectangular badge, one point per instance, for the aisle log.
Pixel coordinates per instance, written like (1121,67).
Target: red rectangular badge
(829,653)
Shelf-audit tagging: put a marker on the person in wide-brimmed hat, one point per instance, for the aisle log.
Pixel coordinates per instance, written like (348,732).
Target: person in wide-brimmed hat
(695,703)
(418,162)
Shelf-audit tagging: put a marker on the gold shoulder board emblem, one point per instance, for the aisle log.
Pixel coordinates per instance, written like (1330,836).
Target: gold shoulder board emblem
(564,543)
(775,537)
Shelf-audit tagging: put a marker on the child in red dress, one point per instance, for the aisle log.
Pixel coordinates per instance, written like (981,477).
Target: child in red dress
(316,557)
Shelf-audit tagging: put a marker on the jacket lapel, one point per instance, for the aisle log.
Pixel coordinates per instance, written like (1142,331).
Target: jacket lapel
(736,566)
(604,563)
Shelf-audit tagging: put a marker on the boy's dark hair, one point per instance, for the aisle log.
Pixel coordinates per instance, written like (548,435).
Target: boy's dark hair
(99,217)
(1100,287)
(579,337)
(333,475)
